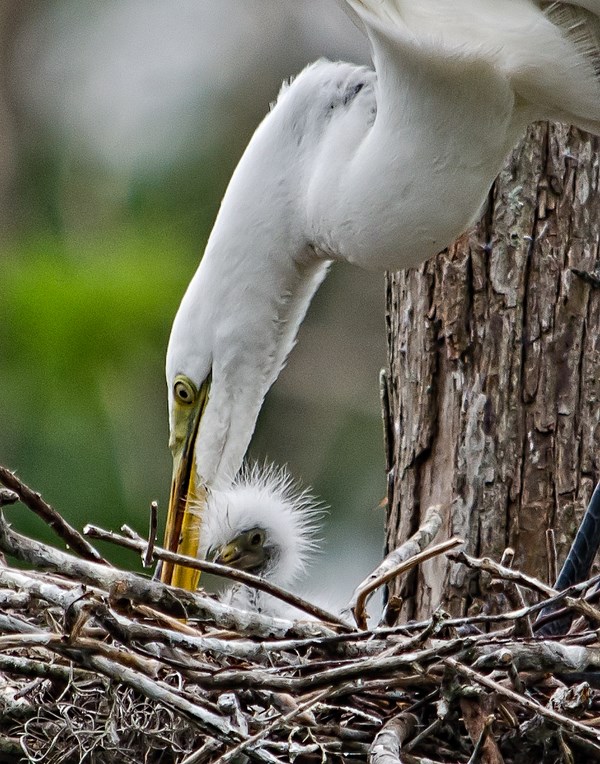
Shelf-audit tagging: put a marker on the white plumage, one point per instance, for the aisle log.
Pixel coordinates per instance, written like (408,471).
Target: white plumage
(265,499)
(382,168)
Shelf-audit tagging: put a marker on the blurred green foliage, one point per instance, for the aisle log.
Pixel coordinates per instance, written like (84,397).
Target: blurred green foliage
(82,337)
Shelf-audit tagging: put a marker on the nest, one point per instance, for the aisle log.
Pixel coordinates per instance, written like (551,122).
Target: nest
(99,664)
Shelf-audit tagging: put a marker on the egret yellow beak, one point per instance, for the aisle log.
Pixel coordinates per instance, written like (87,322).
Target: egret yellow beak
(188,498)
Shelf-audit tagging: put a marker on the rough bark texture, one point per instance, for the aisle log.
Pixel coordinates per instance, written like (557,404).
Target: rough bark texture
(494,371)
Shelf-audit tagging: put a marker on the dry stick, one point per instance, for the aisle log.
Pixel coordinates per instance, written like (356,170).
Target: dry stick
(11,664)
(148,555)
(538,656)
(362,594)
(352,671)
(552,555)
(386,748)
(219,570)
(49,515)
(488,565)
(571,724)
(428,731)
(511,591)
(233,753)
(126,631)
(129,586)
(401,559)
(129,676)
(63,646)
(530,582)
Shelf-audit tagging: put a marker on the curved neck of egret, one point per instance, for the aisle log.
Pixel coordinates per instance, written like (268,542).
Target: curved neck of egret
(236,324)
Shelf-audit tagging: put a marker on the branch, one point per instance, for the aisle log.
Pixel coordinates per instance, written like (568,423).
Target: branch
(225,571)
(489,566)
(148,555)
(399,561)
(523,700)
(49,515)
(529,582)
(389,740)
(129,586)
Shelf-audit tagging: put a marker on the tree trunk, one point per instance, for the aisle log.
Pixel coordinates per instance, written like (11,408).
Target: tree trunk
(494,372)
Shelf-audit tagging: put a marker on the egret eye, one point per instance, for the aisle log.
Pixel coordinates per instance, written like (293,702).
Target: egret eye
(256,539)
(184,391)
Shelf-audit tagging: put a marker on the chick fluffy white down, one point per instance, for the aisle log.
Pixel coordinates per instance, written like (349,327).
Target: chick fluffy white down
(266,498)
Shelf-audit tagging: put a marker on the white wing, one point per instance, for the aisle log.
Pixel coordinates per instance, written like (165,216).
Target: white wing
(548,51)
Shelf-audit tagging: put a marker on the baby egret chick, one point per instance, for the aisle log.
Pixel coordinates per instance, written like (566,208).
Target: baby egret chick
(263,524)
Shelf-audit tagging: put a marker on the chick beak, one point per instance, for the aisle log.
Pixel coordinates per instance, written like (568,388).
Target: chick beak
(229,554)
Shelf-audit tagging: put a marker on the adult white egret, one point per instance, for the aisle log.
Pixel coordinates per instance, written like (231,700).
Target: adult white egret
(382,168)
(263,524)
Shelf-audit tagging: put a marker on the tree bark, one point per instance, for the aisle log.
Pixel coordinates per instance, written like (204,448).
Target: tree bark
(494,372)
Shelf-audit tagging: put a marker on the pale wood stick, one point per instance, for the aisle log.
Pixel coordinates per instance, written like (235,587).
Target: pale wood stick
(388,743)
(168,599)
(571,724)
(219,570)
(397,562)
(364,591)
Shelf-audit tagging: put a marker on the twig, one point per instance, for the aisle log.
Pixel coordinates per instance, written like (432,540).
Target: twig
(511,591)
(502,572)
(148,556)
(49,515)
(386,748)
(401,559)
(571,724)
(427,732)
(129,586)
(364,591)
(219,570)
(537,656)
(12,664)
(357,670)
(250,743)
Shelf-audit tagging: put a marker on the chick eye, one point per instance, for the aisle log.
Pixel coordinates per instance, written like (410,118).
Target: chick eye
(184,391)
(256,539)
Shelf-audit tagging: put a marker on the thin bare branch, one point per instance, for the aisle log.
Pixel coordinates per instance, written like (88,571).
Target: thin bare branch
(49,515)
(219,570)
(148,555)
(399,561)
(129,586)
(523,700)
(388,743)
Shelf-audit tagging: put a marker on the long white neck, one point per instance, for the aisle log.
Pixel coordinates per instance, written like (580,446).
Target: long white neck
(241,312)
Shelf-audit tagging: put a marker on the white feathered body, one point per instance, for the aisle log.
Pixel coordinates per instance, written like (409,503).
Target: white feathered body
(265,498)
(382,168)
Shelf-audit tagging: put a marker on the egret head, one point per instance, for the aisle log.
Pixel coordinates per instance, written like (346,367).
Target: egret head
(188,386)
(262,524)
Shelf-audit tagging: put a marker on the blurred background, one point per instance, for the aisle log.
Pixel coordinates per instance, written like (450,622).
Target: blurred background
(120,124)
